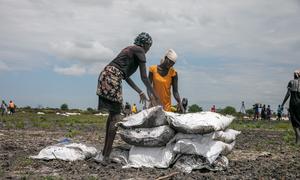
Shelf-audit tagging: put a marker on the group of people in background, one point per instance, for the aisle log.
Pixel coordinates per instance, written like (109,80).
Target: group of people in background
(128,110)
(9,108)
(262,112)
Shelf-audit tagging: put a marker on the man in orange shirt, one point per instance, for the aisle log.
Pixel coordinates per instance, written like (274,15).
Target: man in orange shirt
(163,77)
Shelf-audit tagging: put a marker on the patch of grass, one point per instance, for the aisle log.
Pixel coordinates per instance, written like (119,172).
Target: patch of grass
(20,124)
(51,178)
(23,162)
(1,172)
(267,125)
(289,137)
(92,178)
(26,162)
(72,133)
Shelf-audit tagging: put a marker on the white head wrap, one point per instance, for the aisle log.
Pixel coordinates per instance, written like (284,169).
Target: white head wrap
(171,54)
(297,73)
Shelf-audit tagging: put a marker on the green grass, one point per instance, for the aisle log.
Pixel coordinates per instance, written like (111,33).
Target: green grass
(283,126)
(51,121)
(272,125)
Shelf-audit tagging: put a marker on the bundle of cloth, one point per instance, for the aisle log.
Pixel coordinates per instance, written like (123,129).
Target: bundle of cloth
(186,141)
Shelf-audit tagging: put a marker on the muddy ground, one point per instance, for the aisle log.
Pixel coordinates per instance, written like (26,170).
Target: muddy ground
(258,154)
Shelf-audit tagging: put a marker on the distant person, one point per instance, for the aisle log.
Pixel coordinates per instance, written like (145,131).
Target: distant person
(279,112)
(269,112)
(184,103)
(127,109)
(134,109)
(256,112)
(163,77)
(145,106)
(213,108)
(3,108)
(109,88)
(293,91)
(11,107)
(263,112)
(259,110)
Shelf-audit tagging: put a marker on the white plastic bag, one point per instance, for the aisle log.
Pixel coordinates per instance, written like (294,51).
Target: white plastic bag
(198,123)
(200,145)
(227,136)
(147,118)
(147,137)
(159,157)
(67,152)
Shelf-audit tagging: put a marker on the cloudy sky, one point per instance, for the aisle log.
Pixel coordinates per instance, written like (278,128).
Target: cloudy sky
(51,52)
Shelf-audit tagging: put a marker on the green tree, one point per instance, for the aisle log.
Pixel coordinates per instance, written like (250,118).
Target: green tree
(64,107)
(250,112)
(194,108)
(91,110)
(228,110)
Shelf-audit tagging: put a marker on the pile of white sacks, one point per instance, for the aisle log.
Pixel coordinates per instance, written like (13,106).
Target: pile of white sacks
(186,141)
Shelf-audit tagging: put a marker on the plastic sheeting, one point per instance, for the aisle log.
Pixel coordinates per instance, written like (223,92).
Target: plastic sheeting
(148,118)
(198,123)
(67,152)
(147,137)
(159,157)
(200,145)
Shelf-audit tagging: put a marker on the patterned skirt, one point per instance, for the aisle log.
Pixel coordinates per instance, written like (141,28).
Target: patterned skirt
(109,89)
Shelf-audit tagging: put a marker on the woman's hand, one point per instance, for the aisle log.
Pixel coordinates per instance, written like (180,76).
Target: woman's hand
(180,108)
(143,98)
(154,101)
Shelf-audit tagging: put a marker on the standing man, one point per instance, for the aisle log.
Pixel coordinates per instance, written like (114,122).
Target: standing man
(256,112)
(269,112)
(213,108)
(293,91)
(12,107)
(279,112)
(109,89)
(127,109)
(3,107)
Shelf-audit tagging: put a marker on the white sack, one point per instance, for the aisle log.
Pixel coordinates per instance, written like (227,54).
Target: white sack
(227,136)
(200,145)
(67,152)
(147,118)
(198,123)
(147,137)
(159,157)
(187,163)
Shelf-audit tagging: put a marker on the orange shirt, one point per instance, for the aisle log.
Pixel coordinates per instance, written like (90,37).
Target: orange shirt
(162,86)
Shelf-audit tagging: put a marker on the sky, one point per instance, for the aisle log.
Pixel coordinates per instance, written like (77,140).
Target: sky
(51,52)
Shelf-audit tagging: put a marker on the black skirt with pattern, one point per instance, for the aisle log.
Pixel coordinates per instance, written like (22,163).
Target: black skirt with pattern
(109,89)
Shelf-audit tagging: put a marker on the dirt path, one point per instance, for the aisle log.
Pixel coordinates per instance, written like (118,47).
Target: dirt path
(258,154)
